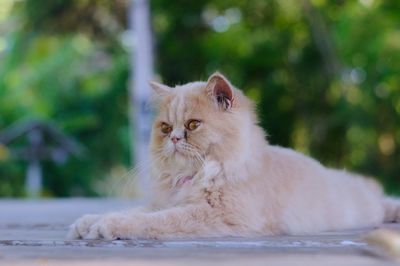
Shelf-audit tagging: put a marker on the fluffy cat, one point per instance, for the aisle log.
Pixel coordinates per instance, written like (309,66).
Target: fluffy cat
(216,175)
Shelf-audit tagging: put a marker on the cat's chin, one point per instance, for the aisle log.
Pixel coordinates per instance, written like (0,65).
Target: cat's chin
(179,155)
(179,160)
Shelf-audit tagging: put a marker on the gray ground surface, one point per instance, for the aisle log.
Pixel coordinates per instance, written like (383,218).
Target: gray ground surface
(32,233)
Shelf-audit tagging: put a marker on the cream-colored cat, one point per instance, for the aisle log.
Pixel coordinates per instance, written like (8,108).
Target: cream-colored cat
(216,175)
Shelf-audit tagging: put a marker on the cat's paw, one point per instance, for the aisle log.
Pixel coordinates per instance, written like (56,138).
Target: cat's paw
(210,173)
(108,227)
(81,227)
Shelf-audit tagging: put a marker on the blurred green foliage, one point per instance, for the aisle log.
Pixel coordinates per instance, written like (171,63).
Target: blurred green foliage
(62,63)
(325,76)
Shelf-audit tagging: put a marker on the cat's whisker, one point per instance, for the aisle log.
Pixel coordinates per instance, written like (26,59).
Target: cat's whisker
(193,152)
(126,184)
(128,181)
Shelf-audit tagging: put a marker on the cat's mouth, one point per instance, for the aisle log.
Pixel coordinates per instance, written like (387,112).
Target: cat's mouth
(179,152)
(182,154)
(177,149)
(185,151)
(180,148)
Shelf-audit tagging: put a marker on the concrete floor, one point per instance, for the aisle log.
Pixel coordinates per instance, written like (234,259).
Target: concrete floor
(33,232)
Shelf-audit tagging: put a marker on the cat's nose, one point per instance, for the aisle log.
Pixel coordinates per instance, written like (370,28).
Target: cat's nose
(175,139)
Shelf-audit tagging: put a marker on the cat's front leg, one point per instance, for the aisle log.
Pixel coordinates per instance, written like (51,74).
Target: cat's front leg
(190,220)
(82,228)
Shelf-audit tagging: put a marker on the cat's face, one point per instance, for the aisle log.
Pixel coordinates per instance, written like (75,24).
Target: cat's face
(193,120)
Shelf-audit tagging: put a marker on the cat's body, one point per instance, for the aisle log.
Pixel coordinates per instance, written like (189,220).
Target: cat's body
(216,175)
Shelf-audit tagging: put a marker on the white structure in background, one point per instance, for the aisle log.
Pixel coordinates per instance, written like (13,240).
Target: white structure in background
(141,74)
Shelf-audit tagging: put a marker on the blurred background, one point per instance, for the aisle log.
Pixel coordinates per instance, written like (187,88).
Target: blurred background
(325,76)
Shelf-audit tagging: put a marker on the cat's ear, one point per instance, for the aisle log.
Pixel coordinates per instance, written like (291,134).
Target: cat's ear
(160,89)
(221,90)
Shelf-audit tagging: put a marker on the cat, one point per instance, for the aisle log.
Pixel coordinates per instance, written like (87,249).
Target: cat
(216,175)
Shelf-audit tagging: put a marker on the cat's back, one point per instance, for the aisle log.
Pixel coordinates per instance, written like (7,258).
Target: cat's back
(289,168)
(288,162)
(312,197)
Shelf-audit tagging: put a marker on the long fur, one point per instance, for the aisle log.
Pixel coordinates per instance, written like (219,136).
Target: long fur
(224,179)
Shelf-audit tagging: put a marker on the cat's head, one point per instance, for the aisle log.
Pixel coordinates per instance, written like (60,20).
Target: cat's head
(199,119)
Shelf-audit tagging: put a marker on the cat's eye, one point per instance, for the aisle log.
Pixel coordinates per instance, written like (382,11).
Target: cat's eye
(165,128)
(193,124)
